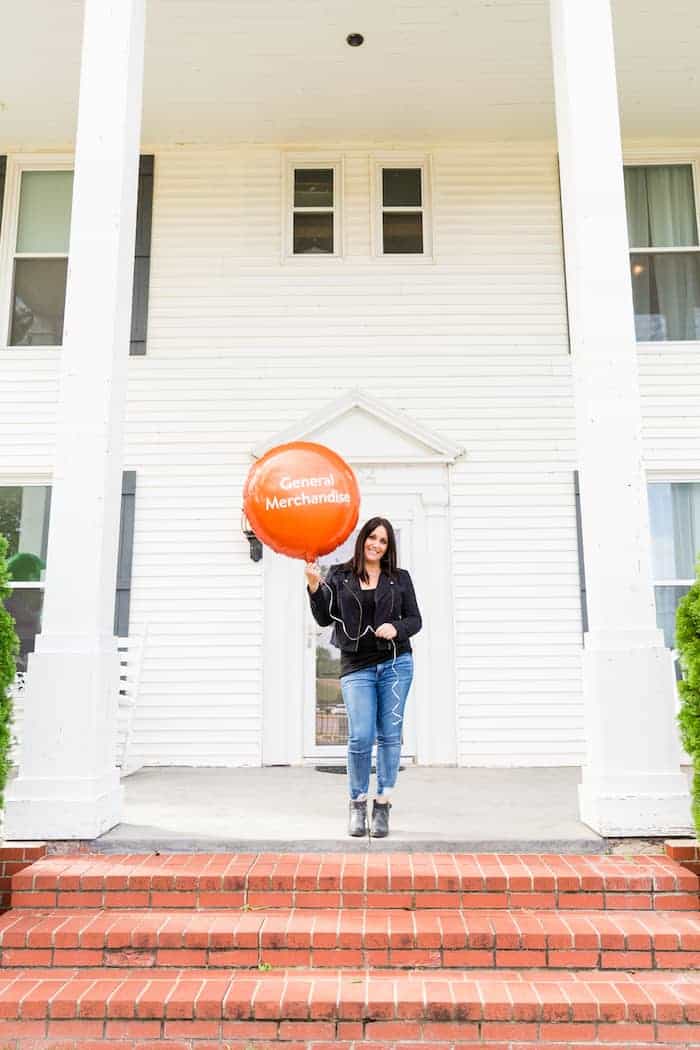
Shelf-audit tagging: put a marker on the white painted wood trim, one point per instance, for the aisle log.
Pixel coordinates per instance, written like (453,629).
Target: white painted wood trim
(75,791)
(628,730)
(660,155)
(658,474)
(431,721)
(290,161)
(132,651)
(441,450)
(16,164)
(378,161)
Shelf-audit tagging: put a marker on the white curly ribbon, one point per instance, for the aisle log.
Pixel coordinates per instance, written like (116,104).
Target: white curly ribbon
(397,717)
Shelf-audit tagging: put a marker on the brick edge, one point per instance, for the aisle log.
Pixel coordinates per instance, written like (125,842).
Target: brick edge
(685,852)
(14,857)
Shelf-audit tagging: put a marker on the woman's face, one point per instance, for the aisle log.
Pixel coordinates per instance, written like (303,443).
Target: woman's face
(375,546)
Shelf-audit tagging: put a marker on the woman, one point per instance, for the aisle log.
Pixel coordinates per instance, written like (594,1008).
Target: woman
(373,607)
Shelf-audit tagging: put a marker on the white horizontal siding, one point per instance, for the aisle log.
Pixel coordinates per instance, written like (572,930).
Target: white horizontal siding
(28,397)
(670,389)
(471,344)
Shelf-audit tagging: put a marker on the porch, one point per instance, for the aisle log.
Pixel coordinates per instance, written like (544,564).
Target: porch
(304,809)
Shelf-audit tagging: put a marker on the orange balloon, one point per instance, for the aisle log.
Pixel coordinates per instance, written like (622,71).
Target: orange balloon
(301,499)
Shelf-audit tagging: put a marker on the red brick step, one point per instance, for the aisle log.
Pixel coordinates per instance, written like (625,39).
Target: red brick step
(347,1007)
(374,938)
(406,881)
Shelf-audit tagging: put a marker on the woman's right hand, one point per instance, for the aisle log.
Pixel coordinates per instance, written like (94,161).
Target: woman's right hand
(312,572)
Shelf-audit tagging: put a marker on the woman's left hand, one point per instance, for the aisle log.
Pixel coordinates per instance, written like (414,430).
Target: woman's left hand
(387,630)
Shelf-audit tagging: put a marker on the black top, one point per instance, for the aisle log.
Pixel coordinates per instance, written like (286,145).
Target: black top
(368,654)
(338,602)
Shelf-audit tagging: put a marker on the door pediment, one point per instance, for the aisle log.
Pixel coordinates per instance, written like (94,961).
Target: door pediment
(363,430)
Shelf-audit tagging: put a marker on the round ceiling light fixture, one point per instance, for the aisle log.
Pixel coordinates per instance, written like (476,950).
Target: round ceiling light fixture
(355,39)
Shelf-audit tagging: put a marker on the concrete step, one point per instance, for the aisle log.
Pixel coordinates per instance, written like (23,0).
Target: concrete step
(361,938)
(69,1008)
(351,881)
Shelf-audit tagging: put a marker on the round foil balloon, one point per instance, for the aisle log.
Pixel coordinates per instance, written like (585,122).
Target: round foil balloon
(301,499)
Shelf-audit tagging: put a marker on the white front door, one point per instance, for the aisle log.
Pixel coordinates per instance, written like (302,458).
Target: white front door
(325,720)
(302,716)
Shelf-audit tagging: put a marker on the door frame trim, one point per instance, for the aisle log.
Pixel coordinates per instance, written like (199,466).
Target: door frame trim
(402,518)
(435,674)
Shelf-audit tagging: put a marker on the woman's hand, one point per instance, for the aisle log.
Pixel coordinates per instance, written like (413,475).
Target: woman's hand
(313,575)
(387,630)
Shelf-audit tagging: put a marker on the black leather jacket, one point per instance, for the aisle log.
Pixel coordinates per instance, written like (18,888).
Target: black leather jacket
(395,603)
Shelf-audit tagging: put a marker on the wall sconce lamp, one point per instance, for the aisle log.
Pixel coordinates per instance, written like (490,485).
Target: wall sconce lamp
(256,547)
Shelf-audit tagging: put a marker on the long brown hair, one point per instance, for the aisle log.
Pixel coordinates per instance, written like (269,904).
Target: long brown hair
(389,563)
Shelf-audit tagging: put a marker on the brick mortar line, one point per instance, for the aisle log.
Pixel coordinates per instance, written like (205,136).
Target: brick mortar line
(364,958)
(408,901)
(370,1030)
(155,937)
(249,999)
(270,872)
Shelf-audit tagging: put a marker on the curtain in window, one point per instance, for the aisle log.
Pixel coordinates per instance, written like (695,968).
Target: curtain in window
(684,528)
(661,214)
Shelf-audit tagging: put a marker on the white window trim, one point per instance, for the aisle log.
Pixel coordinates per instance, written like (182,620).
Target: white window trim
(25,481)
(292,161)
(672,477)
(402,160)
(16,165)
(648,158)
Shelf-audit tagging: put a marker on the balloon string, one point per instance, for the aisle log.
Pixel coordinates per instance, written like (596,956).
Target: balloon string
(396,715)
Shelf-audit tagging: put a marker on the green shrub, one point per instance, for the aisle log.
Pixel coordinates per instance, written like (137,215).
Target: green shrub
(9,647)
(688,644)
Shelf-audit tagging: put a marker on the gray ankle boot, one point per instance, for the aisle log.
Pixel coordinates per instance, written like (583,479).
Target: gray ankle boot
(380,819)
(357,824)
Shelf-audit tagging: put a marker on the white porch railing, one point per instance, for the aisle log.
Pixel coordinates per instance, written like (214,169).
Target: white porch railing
(131,652)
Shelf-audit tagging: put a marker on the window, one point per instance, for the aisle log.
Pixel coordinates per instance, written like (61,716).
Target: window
(40,258)
(314,191)
(402,211)
(664,251)
(24,522)
(674,511)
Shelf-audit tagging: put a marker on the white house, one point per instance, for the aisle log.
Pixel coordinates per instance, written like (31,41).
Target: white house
(418,233)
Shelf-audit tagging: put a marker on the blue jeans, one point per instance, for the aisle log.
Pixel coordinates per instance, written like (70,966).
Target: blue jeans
(375,699)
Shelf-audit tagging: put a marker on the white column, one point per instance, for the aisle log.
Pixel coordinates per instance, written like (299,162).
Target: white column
(68,786)
(632,784)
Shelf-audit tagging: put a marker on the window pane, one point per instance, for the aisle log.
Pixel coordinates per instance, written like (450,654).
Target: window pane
(44,211)
(674,517)
(313,234)
(401,187)
(666,291)
(403,232)
(667,599)
(25,605)
(313,188)
(39,302)
(661,206)
(24,522)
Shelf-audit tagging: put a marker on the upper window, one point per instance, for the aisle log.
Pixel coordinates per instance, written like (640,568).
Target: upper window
(664,251)
(402,211)
(674,513)
(24,522)
(401,194)
(40,258)
(314,226)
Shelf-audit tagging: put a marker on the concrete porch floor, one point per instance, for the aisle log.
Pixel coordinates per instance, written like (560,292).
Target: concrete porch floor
(300,808)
